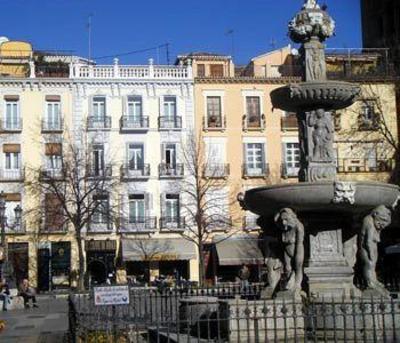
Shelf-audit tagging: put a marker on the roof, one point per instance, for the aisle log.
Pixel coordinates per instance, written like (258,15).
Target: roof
(203,55)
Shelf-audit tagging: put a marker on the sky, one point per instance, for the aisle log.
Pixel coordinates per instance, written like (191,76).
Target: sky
(121,26)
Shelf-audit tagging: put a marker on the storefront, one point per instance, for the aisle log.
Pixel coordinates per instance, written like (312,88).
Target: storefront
(100,261)
(54,265)
(231,253)
(18,257)
(147,259)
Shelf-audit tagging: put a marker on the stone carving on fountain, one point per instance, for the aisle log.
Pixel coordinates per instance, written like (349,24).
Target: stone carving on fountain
(292,240)
(368,240)
(344,192)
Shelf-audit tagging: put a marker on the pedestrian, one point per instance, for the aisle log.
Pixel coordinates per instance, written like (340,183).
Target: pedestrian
(27,293)
(5,294)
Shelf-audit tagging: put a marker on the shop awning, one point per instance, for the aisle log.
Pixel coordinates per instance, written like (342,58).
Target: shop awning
(238,250)
(158,249)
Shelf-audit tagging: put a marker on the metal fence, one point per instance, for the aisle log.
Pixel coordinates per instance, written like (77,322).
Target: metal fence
(232,314)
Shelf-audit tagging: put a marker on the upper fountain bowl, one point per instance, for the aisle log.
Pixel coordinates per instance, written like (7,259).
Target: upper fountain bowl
(308,96)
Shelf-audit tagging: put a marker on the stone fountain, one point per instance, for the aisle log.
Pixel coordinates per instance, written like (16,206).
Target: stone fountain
(323,225)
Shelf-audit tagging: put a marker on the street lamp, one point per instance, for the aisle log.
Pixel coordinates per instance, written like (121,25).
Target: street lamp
(18,215)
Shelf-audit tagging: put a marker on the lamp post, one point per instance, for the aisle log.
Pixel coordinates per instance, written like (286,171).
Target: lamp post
(3,233)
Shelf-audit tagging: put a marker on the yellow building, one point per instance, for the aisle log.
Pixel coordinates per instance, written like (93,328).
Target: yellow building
(259,144)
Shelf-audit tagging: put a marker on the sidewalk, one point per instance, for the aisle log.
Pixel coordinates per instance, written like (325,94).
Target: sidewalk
(46,324)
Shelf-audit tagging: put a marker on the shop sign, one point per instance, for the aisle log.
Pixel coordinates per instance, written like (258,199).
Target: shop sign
(111,295)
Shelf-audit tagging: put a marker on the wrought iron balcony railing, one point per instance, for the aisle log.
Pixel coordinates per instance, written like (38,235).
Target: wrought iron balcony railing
(129,123)
(131,172)
(364,165)
(217,222)
(170,123)
(214,123)
(171,170)
(253,122)
(138,224)
(13,228)
(216,170)
(255,170)
(12,175)
(51,174)
(11,125)
(172,223)
(98,123)
(100,172)
(52,126)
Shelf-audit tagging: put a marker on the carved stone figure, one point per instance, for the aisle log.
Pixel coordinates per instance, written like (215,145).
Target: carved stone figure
(344,192)
(368,240)
(315,64)
(273,264)
(322,135)
(292,239)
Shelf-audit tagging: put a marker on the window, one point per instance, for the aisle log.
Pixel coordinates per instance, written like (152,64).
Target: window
(253,106)
(172,207)
(54,215)
(12,160)
(100,214)
(99,108)
(170,155)
(292,158)
(53,114)
(216,70)
(12,115)
(368,117)
(214,109)
(134,108)
(53,152)
(254,158)
(137,208)
(201,70)
(98,159)
(135,156)
(170,107)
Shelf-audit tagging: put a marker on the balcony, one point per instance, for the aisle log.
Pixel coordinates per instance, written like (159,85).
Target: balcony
(166,170)
(130,124)
(250,223)
(11,126)
(101,226)
(12,175)
(129,172)
(255,170)
(170,123)
(15,228)
(288,171)
(360,165)
(214,123)
(253,123)
(218,222)
(172,223)
(138,225)
(289,122)
(51,174)
(216,170)
(52,126)
(51,226)
(99,123)
(100,172)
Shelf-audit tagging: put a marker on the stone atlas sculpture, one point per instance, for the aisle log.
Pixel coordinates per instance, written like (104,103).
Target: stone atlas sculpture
(320,220)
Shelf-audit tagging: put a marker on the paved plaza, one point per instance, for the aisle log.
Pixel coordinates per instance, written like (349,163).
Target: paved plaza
(46,324)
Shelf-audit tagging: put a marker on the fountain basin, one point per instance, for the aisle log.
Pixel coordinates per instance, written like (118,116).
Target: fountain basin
(319,197)
(307,96)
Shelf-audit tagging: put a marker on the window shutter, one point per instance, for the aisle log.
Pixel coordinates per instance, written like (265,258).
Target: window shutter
(162,205)
(163,157)
(147,204)
(125,105)
(90,105)
(15,148)
(11,97)
(53,149)
(12,196)
(53,98)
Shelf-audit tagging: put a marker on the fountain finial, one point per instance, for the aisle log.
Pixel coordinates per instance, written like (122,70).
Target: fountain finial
(310,4)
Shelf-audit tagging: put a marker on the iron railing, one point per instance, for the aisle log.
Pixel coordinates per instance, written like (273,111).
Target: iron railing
(94,123)
(52,126)
(216,170)
(253,122)
(106,171)
(11,126)
(214,123)
(51,174)
(138,224)
(225,314)
(170,123)
(129,123)
(131,172)
(172,223)
(12,175)
(364,165)
(166,170)
(255,170)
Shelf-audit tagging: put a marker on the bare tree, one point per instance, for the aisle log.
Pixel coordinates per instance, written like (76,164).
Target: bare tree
(75,193)
(206,199)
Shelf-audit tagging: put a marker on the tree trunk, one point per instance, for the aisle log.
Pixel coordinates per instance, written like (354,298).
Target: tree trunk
(201,264)
(81,268)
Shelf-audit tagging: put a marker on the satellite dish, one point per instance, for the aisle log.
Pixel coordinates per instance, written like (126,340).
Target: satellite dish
(3,39)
